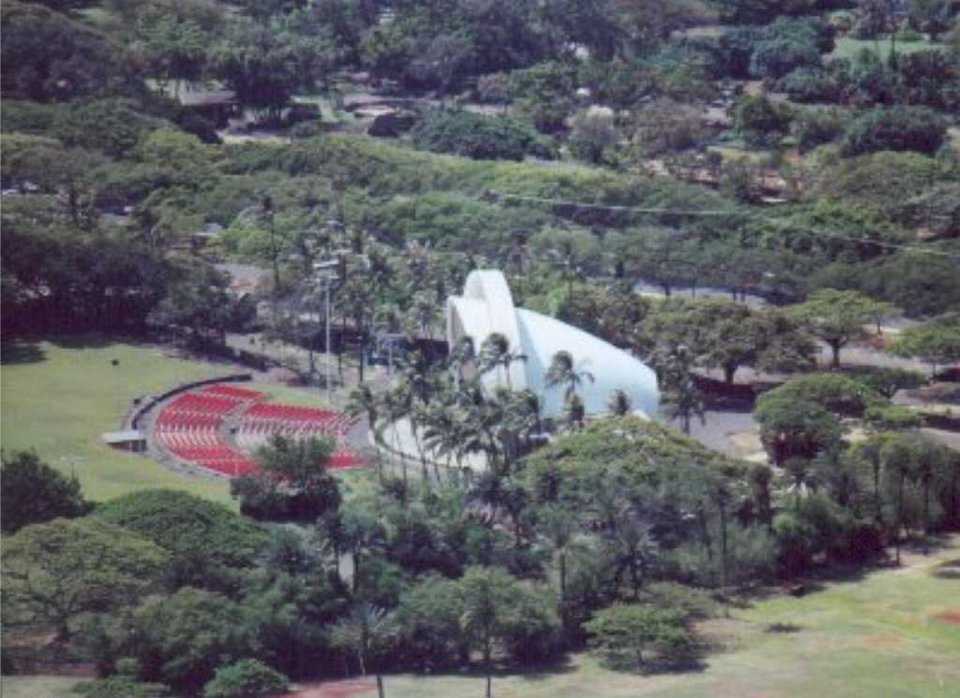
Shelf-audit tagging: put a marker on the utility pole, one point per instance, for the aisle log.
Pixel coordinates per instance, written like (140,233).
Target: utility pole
(328,275)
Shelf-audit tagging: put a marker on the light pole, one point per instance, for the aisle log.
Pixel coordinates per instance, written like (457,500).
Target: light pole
(328,277)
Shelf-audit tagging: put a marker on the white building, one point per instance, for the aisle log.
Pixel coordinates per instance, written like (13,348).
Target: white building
(486,307)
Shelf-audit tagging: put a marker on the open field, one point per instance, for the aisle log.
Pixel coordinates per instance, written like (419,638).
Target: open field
(58,397)
(893,632)
(37,687)
(876,636)
(848,48)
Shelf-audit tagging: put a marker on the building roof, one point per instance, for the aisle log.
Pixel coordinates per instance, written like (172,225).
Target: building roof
(487,307)
(122,437)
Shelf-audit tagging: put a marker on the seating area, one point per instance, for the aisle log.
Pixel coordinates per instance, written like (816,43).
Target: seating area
(191,428)
(264,420)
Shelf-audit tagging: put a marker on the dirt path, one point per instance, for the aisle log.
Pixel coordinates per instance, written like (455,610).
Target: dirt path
(334,689)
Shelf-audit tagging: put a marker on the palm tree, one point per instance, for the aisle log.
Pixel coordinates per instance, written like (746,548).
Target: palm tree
(367,631)
(802,477)
(495,353)
(395,407)
(364,403)
(424,314)
(563,371)
(523,415)
(559,527)
(575,412)
(681,396)
(632,546)
(619,403)
(462,354)
(899,459)
(682,400)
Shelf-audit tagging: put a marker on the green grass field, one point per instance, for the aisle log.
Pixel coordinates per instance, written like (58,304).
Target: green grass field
(848,48)
(876,636)
(59,397)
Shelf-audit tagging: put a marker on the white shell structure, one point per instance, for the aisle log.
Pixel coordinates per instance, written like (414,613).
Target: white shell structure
(486,307)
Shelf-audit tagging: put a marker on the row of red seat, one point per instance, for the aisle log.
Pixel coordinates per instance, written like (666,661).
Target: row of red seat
(171,420)
(204,404)
(266,410)
(234,391)
(231,467)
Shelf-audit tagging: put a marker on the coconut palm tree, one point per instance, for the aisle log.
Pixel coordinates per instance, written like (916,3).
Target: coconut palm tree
(575,412)
(495,353)
(367,631)
(563,371)
(364,403)
(619,403)
(683,402)
(462,355)
(559,527)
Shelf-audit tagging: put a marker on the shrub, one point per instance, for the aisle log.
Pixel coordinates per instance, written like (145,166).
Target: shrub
(28,117)
(759,121)
(898,128)
(305,129)
(112,126)
(795,428)
(665,126)
(477,136)
(628,635)
(33,492)
(247,678)
(807,84)
(892,418)
(815,127)
(887,381)
(835,392)
(775,58)
(930,78)
(593,134)
(544,94)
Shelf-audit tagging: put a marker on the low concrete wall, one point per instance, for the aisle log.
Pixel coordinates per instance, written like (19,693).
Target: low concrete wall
(157,399)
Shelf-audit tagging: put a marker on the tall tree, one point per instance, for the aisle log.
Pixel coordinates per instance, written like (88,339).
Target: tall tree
(564,372)
(496,353)
(838,317)
(53,572)
(33,492)
(366,632)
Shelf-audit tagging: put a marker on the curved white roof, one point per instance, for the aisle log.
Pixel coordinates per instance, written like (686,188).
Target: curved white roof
(487,307)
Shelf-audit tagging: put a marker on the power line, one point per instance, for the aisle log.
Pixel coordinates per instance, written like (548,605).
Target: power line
(716,212)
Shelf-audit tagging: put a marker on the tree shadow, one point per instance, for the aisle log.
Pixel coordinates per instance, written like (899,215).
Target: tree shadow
(949,569)
(21,352)
(86,340)
(692,663)
(544,670)
(527,671)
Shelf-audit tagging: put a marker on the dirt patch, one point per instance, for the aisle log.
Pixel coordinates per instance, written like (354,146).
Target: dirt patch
(952,617)
(334,689)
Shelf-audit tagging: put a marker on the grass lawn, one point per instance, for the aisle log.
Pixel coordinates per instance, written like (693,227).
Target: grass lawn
(58,397)
(876,636)
(848,48)
(38,686)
